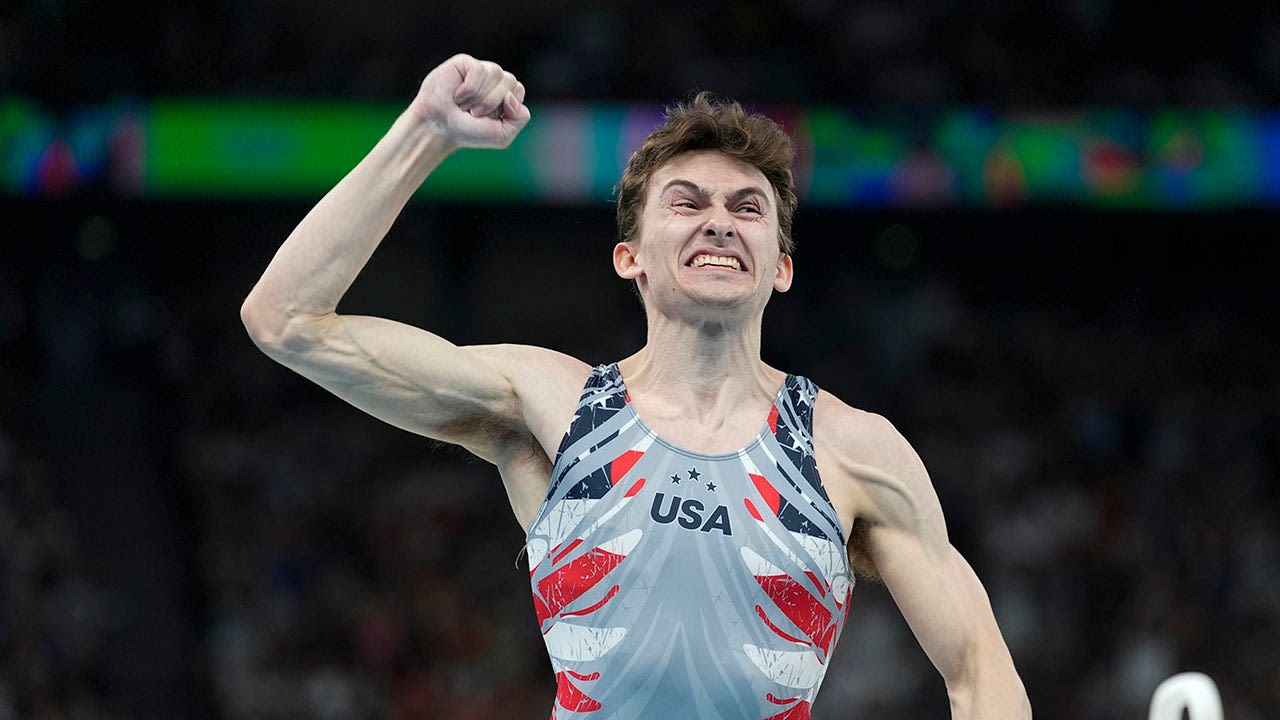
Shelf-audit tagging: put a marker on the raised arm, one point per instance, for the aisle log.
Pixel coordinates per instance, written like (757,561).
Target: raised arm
(403,375)
(935,588)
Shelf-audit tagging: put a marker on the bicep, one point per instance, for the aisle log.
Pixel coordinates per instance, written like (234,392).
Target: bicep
(408,377)
(906,538)
(904,534)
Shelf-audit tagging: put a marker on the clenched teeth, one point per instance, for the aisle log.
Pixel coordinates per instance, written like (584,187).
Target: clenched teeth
(720,260)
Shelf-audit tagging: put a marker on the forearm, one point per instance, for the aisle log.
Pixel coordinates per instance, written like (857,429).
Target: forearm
(322,256)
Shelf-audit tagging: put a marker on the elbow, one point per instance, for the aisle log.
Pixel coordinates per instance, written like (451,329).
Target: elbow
(274,330)
(262,324)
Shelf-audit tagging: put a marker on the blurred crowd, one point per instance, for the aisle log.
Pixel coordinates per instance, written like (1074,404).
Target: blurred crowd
(1107,461)
(913,51)
(1112,478)
(55,615)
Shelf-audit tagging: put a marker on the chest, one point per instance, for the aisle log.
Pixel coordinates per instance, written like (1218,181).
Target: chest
(825,474)
(705,435)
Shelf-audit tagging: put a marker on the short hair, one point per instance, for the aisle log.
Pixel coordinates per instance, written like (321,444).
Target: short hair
(707,123)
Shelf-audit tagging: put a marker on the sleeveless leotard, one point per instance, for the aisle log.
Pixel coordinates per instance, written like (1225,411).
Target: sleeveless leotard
(670,584)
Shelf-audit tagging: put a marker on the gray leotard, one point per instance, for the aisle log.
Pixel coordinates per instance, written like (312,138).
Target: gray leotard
(670,584)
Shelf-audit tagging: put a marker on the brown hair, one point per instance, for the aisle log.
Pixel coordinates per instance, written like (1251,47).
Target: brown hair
(705,123)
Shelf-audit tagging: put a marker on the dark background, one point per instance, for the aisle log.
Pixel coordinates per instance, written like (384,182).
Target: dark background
(188,530)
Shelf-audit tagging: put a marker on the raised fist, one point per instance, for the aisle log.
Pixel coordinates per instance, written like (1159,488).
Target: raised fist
(473,103)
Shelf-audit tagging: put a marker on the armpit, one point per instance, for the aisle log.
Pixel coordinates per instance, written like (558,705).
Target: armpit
(860,558)
(482,429)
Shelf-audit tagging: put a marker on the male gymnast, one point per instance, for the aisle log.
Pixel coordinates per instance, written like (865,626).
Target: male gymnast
(687,558)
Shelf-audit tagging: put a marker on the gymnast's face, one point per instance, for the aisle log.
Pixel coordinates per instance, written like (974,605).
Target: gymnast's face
(707,240)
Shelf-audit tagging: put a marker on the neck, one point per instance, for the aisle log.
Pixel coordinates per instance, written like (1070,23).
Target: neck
(703,368)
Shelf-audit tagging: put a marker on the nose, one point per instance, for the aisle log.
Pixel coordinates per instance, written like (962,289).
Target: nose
(718,227)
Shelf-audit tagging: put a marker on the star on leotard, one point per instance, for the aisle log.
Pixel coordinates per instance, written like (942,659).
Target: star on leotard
(675,479)
(806,396)
(694,474)
(711,486)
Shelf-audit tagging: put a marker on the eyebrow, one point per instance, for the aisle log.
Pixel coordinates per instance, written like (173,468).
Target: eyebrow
(687,185)
(747,192)
(702,194)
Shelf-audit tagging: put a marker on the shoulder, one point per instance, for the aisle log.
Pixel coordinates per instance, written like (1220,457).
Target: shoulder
(854,434)
(530,362)
(546,382)
(867,460)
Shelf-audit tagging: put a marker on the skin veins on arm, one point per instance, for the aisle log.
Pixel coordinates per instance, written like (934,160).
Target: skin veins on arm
(507,404)
(936,590)
(408,377)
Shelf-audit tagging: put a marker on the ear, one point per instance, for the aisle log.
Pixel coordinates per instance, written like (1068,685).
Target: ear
(625,261)
(783,273)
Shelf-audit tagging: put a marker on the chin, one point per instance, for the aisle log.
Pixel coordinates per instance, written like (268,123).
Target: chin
(717,293)
(719,299)
(726,301)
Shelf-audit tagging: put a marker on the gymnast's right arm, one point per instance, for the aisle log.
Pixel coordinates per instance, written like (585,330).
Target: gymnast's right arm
(406,376)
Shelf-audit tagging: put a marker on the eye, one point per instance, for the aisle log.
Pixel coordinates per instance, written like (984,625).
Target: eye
(749,208)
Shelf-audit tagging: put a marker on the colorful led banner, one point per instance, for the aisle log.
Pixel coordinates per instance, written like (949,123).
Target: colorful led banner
(573,153)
